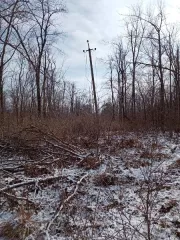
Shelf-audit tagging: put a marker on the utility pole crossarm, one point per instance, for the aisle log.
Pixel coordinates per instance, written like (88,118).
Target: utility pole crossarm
(89,49)
(92,76)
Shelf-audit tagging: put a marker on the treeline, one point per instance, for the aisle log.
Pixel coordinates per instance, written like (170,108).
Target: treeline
(30,82)
(144,70)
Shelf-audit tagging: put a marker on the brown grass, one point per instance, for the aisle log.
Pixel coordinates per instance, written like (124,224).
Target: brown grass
(105,180)
(35,170)
(178,233)
(19,230)
(168,206)
(14,232)
(10,231)
(175,165)
(153,155)
(90,163)
(65,127)
(68,127)
(129,143)
(137,164)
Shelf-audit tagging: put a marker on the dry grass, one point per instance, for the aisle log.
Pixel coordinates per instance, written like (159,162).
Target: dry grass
(90,163)
(163,223)
(178,233)
(35,170)
(19,230)
(68,128)
(175,165)
(153,155)
(137,164)
(129,143)
(105,179)
(168,206)
(65,127)
(11,232)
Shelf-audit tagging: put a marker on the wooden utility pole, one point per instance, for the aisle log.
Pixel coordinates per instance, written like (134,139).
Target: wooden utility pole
(92,76)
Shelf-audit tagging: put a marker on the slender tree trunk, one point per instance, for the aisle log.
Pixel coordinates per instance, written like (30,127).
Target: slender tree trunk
(178,87)
(38,91)
(162,92)
(72,98)
(133,92)
(44,95)
(1,96)
(153,96)
(122,94)
(125,95)
(119,96)
(112,95)
(63,97)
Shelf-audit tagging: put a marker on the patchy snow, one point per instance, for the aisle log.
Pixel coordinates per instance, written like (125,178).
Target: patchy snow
(111,202)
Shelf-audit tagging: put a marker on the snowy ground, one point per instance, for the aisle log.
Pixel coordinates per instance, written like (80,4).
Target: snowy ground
(131,191)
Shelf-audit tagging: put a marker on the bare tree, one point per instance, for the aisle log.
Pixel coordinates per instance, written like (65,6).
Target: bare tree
(156,36)
(8,10)
(135,33)
(121,66)
(110,66)
(37,36)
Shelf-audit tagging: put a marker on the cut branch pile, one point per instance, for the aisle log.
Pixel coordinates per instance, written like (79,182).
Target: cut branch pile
(28,162)
(32,145)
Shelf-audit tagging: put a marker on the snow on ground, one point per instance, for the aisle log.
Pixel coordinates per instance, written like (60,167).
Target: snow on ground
(132,193)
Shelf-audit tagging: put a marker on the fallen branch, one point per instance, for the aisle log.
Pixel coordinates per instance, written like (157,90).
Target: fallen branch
(12,169)
(65,201)
(64,148)
(44,135)
(10,196)
(34,181)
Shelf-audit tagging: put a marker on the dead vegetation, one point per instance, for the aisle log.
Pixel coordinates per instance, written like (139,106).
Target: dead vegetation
(130,143)
(45,173)
(35,171)
(175,165)
(137,163)
(29,160)
(158,156)
(33,149)
(168,206)
(105,180)
(90,162)
(21,229)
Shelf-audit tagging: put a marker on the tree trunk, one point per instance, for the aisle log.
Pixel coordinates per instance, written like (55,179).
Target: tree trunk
(161,77)
(1,95)
(38,91)
(112,96)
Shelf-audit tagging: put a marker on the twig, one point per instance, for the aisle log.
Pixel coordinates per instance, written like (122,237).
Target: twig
(65,201)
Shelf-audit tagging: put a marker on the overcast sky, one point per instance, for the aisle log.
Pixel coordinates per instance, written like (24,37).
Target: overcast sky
(96,21)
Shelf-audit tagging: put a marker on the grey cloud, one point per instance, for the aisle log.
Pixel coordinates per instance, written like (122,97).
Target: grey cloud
(95,20)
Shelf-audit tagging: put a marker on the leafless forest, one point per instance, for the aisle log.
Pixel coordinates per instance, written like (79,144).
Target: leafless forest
(72,167)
